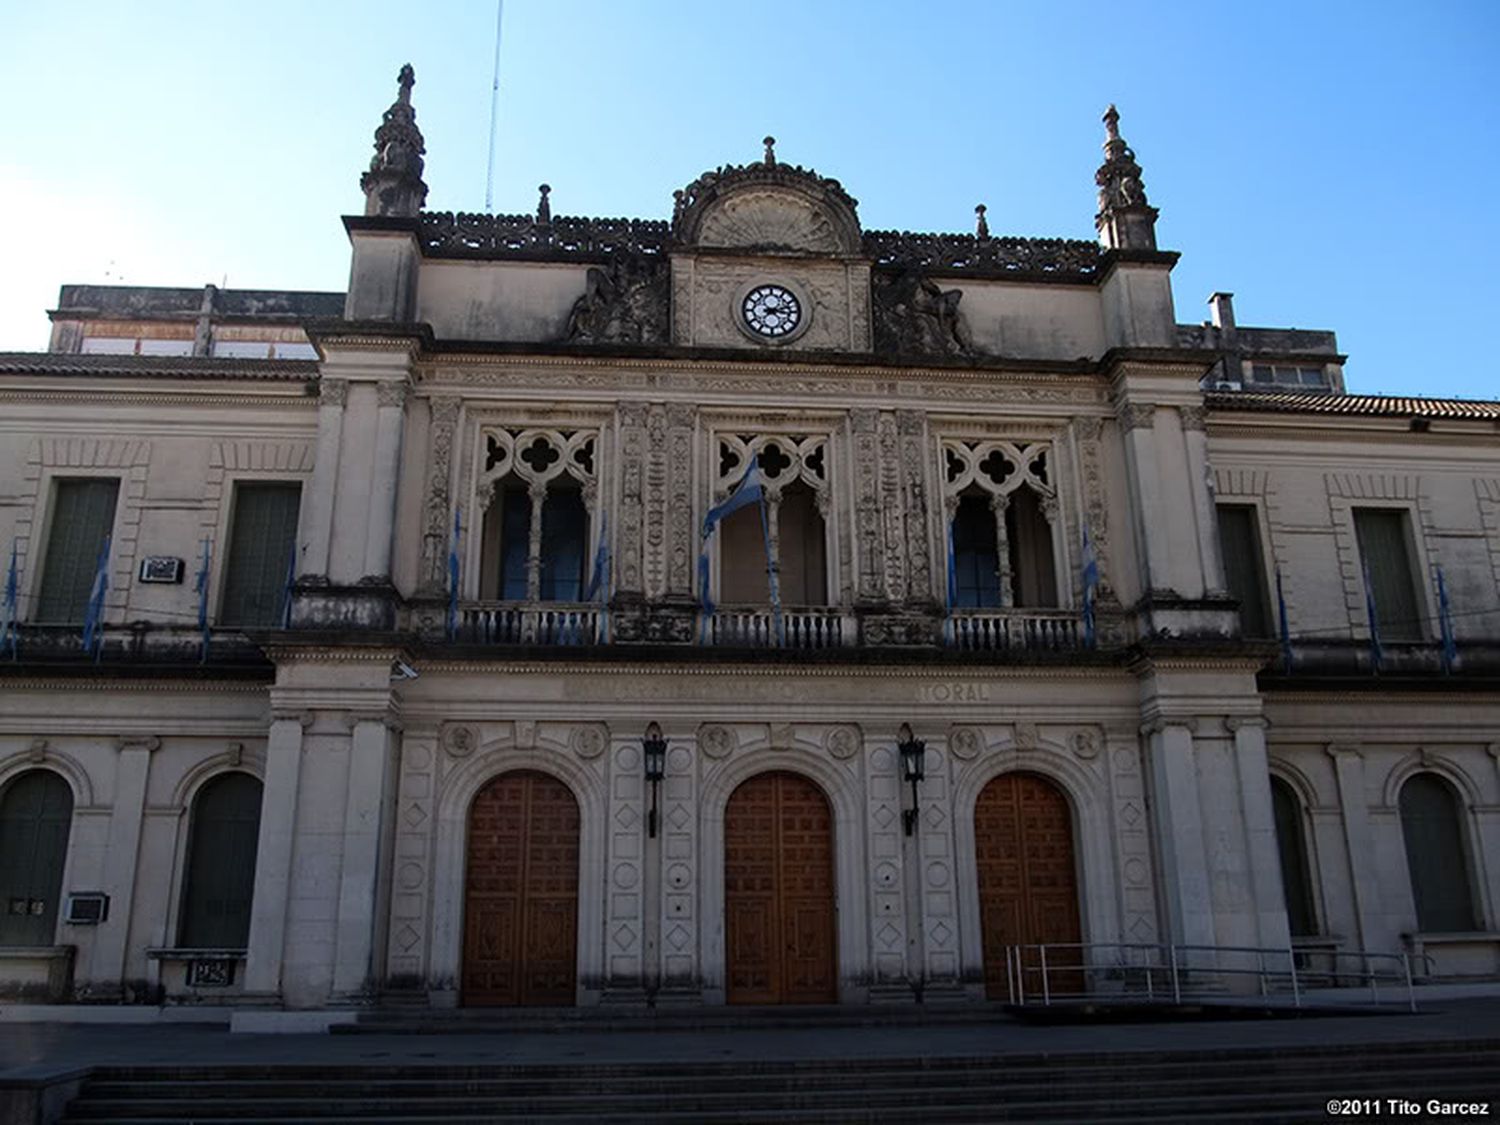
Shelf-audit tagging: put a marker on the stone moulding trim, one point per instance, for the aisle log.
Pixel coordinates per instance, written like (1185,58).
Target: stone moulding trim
(757,671)
(179,398)
(136,687)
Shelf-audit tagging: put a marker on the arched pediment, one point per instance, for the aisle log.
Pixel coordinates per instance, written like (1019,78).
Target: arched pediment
(767,207)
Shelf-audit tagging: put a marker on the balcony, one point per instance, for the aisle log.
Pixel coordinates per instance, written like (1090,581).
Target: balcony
(1014,630)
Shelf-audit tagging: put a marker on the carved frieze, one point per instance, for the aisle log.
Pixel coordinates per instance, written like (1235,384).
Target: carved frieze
(436,519)
(625,302)
(682,421)
(863,423)
(911,426)
(914,316)
(894,533)
(632,421)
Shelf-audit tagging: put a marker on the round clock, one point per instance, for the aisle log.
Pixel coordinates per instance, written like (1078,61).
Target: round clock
(771,312)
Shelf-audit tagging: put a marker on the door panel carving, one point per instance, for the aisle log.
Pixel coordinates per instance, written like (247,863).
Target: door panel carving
(778,890)
(1028,883)
(521,900)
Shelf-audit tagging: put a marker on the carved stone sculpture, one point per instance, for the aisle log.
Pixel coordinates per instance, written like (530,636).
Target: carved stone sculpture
(624,304)
(914,316)
(393,185)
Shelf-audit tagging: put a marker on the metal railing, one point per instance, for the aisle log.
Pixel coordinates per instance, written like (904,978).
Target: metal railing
(1135,972)
(1010,630)
(756,628)
(514,623)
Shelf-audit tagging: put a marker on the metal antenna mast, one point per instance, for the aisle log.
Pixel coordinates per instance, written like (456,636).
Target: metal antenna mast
(489,178)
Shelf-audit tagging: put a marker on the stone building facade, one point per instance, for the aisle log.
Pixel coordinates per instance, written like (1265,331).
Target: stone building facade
(449,533)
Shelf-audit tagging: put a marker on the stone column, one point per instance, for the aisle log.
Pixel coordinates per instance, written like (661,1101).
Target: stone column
(107,964)
(317,502)
(1254,774)
(273,854)
(1139,423)
(365,826)
(391,399)
(1178,822)
(1349,774)
(999,505)
(538,494)
(1200,481)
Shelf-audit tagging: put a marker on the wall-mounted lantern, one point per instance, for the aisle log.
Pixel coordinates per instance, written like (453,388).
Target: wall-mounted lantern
(913,752)
(655,747)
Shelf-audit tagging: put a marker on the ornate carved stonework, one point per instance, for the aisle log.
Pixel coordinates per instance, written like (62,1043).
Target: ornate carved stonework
(965,743)
(1138,415)
(767,206)
(717,742)
(393,185)
(894,549)
(1088,432)
(391,393)
(863,423)
(1086,743)
(458,740)
(436,517)
(1193,417)
(843,742)
(914,316)
(899,629)
(656,501)
(911,426)
(333,392)
(588,742)
(682,422)
(625,302)
(632,422)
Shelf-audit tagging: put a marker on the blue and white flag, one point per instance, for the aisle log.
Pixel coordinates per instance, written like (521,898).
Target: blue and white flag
(1090,588)
(453,574)
(12,597)
(1286,633)
(750,490)
(202,589)
(93,618)
(1377,653)
(1445,623)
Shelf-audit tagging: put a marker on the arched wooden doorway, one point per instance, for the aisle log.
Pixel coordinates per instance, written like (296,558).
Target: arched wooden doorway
(521,893)
(1028,884)
(780,928)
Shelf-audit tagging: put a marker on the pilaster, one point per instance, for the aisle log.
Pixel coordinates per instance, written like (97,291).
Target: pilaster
(1359,842)
(1254,772)
(273,853)
(1178,822)
(106,967)
(366,825)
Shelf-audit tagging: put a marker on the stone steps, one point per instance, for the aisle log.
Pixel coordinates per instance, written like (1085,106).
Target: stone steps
(1163,1087)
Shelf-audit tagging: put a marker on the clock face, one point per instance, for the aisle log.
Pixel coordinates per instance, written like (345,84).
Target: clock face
(771,311)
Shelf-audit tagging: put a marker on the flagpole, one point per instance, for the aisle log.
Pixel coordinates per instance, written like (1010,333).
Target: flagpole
(203,605)
(1445,624)
(1286,633)
(1377,655)
(12,599)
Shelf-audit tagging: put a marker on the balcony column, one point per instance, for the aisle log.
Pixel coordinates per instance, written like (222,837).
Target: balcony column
(772,515)
(1200,481)
(1052,513)
(538,493)
(1000,504)
(391,399)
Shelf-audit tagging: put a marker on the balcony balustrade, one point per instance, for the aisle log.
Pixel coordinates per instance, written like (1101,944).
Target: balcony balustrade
(745,627)
(1014,630)
(518,623)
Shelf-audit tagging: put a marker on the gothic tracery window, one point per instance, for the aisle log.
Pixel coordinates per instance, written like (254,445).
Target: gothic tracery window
(537,489)
(794,471)
(1002,509)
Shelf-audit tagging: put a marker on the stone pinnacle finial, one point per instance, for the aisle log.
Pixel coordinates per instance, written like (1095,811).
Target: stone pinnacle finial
(982,226)
(543,207)
(393,185)
(770,143)
(1126,221)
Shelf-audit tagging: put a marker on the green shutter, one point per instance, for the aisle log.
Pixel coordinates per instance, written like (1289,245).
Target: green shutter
(1244,568)
(1383,552)
(1435,856)
(83,514)
(1291,843)
(260,543)
(220,882)
(35,816)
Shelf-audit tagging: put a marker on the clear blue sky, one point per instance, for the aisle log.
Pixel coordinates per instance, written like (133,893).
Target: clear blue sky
(1335,165)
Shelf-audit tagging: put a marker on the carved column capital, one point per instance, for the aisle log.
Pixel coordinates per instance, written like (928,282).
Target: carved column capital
(1337,750)
(333,392)
(390,392)
(1138,415)
(1193,417)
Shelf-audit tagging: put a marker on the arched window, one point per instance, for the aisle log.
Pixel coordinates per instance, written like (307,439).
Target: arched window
(1291,843)
(35,815)
(1435,855)
(223,832)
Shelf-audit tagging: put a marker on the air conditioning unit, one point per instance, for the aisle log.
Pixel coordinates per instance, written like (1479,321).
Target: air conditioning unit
(1228,385)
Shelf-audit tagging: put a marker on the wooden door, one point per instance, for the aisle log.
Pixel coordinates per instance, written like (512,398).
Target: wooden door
(780,926)
(1028,884)
(521,898)
(36,814)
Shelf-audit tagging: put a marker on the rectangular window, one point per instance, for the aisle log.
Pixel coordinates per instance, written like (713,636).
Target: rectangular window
(1385,555)
(1265,374)
(262,534)
(1244,567)
(83,514)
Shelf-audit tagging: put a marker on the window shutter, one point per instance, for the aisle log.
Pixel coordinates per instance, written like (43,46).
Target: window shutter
(1435,856)
(83,513)
(260,543)
(1244,568)
(220,880)
(1382,549)
(35,816)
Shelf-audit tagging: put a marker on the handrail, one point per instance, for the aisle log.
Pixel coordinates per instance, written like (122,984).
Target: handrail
(1073,971)
(1004,630)
(533,623)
